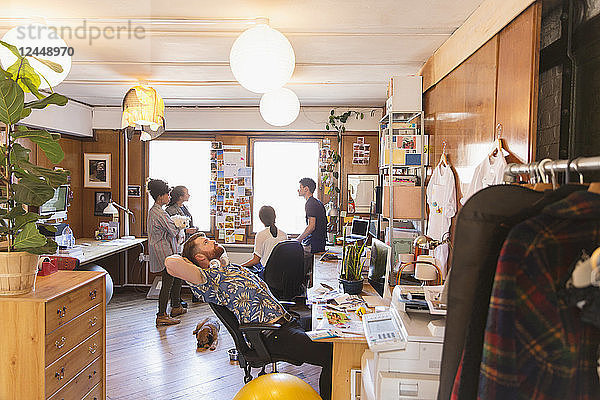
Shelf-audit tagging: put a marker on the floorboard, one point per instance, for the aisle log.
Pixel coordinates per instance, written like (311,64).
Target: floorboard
(145,362)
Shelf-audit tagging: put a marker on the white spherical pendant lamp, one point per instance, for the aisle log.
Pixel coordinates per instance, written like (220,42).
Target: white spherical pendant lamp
(279,107)
(42,42)
(262,59)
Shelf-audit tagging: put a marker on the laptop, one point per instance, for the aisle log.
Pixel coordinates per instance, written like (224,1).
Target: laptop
(359,229)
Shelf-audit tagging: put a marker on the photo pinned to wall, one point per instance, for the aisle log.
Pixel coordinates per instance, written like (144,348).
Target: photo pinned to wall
(233,180)
(134,191)
(361,152)
(101,201)
(96,170)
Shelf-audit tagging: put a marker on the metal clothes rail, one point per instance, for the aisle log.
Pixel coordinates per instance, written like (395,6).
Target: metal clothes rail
(577,165)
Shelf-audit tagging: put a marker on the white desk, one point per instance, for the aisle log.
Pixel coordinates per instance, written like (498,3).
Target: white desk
(94,249)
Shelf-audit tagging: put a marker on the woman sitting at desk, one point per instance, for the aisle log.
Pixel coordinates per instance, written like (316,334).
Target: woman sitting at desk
(265,240)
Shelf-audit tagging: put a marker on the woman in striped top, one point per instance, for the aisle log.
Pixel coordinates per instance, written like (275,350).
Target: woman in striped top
(162,242)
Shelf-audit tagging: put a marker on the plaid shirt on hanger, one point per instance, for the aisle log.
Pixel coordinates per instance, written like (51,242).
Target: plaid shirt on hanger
(536,347)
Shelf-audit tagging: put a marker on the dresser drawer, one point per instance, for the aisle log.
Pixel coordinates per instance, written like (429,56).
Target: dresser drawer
(96,393)
(61,310)
(63,339)
(79,386)
(65,368)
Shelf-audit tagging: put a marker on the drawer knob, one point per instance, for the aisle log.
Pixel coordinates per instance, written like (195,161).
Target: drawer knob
(93,294)
(61,312)
(60,374)
(60,343)
(90,376)
(93,321)
(93,348)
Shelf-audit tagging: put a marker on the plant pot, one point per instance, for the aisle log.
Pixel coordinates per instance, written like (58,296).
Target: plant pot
(18,270)
(352,287)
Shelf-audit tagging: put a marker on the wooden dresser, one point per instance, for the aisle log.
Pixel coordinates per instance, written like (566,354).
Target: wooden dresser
(53,340)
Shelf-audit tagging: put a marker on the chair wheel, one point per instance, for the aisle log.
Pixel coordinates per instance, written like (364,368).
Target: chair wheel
(247,375)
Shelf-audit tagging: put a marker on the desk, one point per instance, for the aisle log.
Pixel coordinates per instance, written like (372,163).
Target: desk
(94,250)
(347,352)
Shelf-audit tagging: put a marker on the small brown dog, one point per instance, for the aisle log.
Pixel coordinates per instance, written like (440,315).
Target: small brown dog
(207,333)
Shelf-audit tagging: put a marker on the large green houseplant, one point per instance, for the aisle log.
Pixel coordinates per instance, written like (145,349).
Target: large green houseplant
(22,183)
(352,267)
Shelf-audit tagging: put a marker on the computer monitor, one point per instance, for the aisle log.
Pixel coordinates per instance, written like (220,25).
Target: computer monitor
(360,227)
(380,267)
(56,207)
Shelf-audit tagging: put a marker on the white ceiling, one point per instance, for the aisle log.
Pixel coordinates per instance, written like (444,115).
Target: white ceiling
(346,50)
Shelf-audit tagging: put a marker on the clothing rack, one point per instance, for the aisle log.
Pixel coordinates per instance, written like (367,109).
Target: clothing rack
(578,165)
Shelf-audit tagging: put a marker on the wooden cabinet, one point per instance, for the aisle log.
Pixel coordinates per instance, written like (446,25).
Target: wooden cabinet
(53,340)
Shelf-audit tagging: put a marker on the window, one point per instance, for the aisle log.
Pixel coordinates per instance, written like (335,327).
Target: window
(185,163)
(278,166)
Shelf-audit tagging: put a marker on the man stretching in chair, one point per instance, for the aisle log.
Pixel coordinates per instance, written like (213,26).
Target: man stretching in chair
(211,276)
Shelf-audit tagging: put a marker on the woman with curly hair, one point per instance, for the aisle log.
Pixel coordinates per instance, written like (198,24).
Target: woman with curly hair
(162,242)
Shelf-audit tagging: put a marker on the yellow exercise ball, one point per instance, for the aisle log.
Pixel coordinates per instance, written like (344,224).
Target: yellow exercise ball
(277,387)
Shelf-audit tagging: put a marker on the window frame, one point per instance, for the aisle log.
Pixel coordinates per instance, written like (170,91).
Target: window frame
(280,138)
(183,137)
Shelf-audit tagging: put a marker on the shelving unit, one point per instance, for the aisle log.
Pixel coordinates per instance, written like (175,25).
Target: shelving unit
(399,124)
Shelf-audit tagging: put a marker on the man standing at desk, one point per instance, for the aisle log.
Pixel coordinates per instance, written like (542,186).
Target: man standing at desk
(313,237)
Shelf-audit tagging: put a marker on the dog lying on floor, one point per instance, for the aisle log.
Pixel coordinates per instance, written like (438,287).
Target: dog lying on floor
(207,333)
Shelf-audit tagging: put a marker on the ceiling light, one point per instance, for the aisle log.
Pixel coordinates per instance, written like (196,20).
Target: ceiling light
(143,106)
(279,107)
(262,59)
(40,41)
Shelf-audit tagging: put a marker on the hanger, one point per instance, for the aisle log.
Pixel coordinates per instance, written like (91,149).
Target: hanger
(544,183)
(499,143)
(594,186)
(443,159)
(586,272)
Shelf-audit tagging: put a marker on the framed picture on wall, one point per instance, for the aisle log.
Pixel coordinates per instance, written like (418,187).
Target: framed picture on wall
(134,191)
(101,200)
(96,170)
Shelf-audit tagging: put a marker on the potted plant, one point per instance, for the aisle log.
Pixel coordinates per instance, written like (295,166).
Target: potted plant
(352,268)
(23,184)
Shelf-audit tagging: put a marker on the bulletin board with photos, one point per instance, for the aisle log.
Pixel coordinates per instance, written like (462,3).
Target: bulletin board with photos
(230,191)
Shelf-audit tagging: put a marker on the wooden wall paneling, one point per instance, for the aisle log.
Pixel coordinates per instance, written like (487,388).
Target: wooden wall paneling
(348,168)
(516,103)
(483,24)
(72,162)
(137,176)
(460,110)
(107,141)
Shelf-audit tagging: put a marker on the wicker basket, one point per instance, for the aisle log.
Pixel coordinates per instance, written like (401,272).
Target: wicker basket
(18,271)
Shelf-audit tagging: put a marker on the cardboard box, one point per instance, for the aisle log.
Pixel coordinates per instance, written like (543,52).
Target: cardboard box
(407,202)
(406,94)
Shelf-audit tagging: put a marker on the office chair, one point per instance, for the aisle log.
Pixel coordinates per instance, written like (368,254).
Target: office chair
(285,276)
(250,342)
(284,272)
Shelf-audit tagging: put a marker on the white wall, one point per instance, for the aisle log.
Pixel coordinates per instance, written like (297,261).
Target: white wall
(236,119)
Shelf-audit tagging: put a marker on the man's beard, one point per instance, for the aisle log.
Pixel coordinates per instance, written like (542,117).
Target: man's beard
(216,253)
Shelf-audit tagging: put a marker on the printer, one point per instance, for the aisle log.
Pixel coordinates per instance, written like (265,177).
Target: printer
(408,366)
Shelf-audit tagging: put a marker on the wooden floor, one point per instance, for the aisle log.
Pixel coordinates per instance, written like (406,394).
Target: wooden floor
(150,363)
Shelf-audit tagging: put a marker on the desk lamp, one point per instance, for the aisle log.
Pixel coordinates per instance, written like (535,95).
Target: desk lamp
(112,209)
